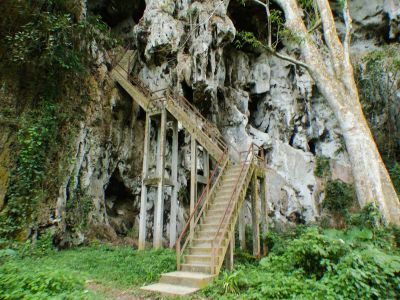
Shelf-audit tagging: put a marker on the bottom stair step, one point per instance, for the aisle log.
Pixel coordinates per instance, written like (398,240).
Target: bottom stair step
(170,289)
(189,279)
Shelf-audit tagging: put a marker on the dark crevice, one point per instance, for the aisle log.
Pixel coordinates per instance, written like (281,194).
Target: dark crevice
(113,12)
(120,205)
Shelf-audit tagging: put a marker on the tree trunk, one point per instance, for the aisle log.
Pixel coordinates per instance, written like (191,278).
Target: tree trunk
(372,181)
(335,80)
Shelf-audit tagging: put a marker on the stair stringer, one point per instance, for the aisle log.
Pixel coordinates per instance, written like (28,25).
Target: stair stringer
(192,127)
(232,222)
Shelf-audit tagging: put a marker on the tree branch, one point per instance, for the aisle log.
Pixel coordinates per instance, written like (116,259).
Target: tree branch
(331,37)
(287,58)
(347,39)
(268,12)
(269,47)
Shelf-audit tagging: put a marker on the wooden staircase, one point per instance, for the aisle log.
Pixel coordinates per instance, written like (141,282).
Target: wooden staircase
(203,243)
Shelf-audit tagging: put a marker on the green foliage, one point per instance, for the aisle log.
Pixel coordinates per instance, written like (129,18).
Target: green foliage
(316,264)
(245,38)
(27,186)
(48,39)
(339,196)
(395,175)
(29,272)
(230,282)
(322,168)
(20,282)
(378,75)
(45,48)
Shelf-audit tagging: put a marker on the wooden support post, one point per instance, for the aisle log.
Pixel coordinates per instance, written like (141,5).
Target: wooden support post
(174,175)
(206,163)
(159,212)
(242,227)
(255,217)
(229,254)
(206,167)
(264,215)
(143,196)
(193,179)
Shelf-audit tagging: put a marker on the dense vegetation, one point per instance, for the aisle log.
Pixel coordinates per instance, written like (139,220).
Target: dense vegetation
(40,272)
(46,56)
(304,262)
(360,262)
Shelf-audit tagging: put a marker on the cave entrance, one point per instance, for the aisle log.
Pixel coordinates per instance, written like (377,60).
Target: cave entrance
(120,206)
(113,12)
(250,18)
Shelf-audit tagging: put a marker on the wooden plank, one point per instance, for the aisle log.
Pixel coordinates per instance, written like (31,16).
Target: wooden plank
(130,88)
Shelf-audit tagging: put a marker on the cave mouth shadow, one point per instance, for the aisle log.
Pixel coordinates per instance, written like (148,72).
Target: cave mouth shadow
(113,12)
(120,206)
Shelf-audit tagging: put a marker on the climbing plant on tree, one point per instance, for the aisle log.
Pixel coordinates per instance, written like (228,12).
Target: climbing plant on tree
(329,65)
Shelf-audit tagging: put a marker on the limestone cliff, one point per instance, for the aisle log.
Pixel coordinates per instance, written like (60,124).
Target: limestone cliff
(188,46)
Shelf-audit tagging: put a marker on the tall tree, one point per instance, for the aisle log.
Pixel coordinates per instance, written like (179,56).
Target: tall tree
(331,69)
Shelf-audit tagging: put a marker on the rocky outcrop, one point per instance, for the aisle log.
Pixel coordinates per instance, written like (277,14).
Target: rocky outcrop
(187,46)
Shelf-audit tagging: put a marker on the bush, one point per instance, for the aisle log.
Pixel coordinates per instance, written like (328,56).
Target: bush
(315,264)
(322,168)
(17,282)
(395,175)
(339,196)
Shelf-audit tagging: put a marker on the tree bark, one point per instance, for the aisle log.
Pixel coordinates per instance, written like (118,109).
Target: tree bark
(336,83)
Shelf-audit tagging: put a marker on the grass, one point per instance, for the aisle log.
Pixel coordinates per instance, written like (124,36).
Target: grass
(65,274)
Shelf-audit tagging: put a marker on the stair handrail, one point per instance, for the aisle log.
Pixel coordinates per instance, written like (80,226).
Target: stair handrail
(205,195)
(247,161)
(206,126)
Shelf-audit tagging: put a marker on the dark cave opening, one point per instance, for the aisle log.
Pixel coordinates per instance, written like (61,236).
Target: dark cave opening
(253,18)
(120,207)
(312,145)
(250,17)
(113,12)
(187,91)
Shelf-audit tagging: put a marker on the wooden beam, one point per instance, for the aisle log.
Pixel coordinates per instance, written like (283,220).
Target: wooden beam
(255,216)
(143,196)
(174,176)
(202,179)
(159,208)
(193,179)
(206,163)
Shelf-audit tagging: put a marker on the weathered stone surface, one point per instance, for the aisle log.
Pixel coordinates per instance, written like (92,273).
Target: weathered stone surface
(251,96)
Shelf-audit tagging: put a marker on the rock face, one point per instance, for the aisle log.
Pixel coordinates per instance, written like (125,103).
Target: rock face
(187,46)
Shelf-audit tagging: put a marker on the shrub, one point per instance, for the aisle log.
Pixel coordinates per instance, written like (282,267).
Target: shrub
(17,282)
(331,264)
(322,168)
(339,196)
(395,175)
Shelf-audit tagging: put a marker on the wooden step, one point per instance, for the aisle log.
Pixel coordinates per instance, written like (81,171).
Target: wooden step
(169,289)
(205,234)
(194,250)
(196,267)
(196,258)
(189,279)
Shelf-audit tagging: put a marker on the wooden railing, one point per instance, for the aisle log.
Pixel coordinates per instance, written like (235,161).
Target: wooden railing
(201,206)
(254,156)
(181,103)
